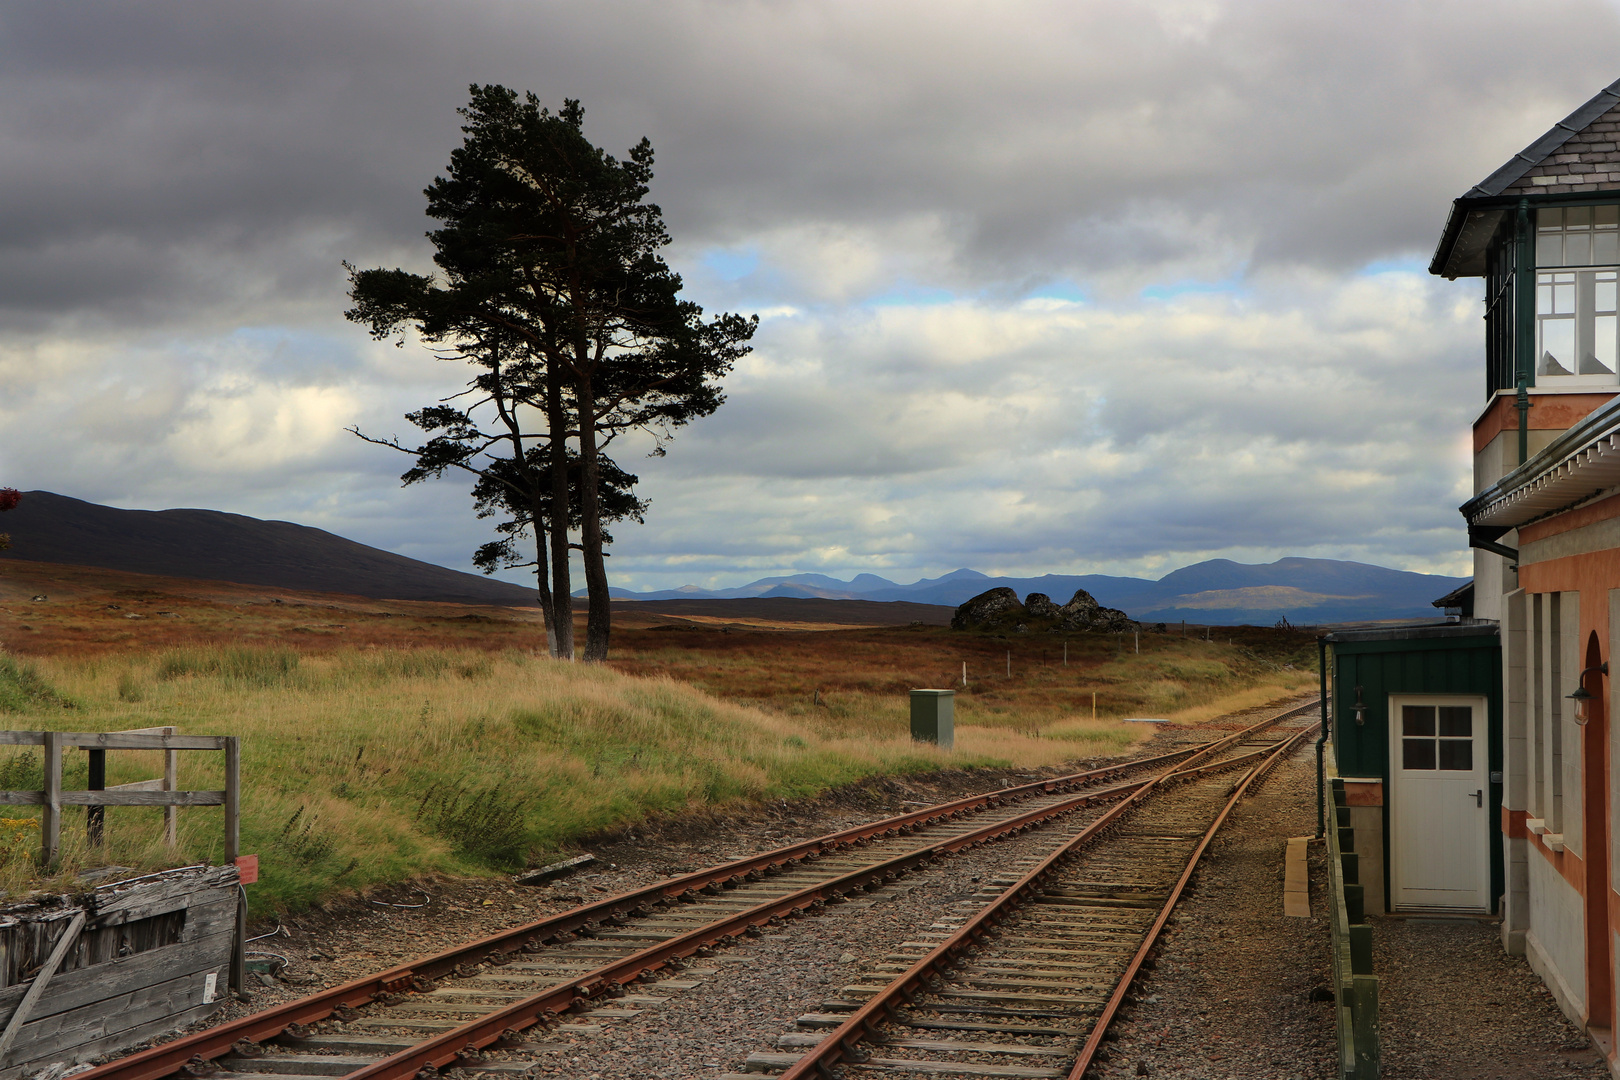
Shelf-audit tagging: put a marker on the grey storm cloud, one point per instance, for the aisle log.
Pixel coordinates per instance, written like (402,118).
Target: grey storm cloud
(947,212)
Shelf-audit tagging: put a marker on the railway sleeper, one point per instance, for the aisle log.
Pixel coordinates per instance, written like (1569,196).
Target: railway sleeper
(764,1061)
(794,1040)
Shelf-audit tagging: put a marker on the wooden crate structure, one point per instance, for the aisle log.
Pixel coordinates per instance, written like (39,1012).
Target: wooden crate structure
(104,971)
(109,968)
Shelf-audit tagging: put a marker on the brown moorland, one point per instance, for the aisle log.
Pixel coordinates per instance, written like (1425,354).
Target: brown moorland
(825,658)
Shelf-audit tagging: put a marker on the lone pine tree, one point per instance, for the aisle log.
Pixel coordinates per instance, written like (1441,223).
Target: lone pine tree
(551,284)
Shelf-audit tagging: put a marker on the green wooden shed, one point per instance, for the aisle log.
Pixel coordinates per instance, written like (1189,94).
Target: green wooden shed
(1416,723)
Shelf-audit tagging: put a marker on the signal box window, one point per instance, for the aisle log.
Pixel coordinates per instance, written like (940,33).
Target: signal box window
(1578,309)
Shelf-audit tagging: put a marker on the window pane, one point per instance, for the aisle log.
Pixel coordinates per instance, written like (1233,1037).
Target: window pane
(1549,249)
(1417,720)
(1600,361)
(1603,292)
(1564,294)
(1605,248)
(1455,754)
(1550,219)
(1418,753)
(1578,217)
(1557,347)
(1605,217)
(1456,721)
(1578,249)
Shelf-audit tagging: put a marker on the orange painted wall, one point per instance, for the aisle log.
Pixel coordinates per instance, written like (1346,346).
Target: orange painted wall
(1547,412)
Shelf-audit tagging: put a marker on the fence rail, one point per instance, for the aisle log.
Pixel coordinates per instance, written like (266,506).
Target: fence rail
(156,792)
(1355,987)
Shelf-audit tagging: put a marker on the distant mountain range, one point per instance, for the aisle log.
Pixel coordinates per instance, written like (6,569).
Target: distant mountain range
(1216,591)
(207,544)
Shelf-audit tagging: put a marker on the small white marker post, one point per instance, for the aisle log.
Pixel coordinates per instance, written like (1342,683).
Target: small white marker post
(1094,704)
(964,674)
(1065,654)
(1009,663)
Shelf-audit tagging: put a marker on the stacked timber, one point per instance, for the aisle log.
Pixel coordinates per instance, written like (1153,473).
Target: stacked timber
(102,971)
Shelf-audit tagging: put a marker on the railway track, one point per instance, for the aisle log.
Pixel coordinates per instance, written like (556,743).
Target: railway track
(489,1005)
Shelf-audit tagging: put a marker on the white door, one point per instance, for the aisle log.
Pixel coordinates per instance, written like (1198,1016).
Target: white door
(1439,809)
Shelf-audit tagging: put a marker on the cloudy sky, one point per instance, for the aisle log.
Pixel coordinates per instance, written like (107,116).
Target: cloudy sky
(1044,287)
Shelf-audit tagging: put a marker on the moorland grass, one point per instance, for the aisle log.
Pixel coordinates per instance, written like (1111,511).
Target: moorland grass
(373,766)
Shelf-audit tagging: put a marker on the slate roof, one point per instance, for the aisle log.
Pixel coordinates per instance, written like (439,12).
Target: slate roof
(1580,153)
(1578,150)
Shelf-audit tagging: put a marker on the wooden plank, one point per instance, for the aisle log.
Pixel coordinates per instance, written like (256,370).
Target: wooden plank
(36,989)
(22,738)
(123,1013)
(98,982)
(50,828)
(233,798)
(171,782)
(155,784)
(143,798)
(125,896)
(794,1040)
(1296,882)
(167,729)
(113,740)
(119,796)
(121,1040)
(762,1061)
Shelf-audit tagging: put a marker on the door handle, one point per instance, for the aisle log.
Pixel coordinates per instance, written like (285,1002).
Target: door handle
(1479,799)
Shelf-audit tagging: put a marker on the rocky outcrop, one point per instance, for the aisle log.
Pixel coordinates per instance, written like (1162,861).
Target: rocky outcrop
(1082,613)
(988,609)
(1040,606)
(999,609)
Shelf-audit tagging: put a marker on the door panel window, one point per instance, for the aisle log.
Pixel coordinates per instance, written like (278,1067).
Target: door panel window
(1437,737)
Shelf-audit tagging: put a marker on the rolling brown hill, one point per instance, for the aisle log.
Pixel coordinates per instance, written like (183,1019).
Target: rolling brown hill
(210,545)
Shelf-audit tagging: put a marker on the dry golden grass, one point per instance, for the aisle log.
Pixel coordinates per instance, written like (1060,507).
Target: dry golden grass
(412,739)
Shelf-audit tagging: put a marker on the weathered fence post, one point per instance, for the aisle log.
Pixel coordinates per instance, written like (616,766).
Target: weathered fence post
(50,827)
(171,782)
(95,817)
(233,845)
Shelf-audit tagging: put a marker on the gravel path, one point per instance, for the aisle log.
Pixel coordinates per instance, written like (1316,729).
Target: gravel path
(1452,1004)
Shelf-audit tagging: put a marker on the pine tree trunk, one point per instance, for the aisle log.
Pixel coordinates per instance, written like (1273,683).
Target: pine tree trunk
(562,645)
(599,618)
(548,610)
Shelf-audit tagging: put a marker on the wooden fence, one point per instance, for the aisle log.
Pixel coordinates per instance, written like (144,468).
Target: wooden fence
(156,792)
(1355,987)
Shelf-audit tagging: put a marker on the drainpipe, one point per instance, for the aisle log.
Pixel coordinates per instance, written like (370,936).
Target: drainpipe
(1321,774)
(1524,336)
(1522,403)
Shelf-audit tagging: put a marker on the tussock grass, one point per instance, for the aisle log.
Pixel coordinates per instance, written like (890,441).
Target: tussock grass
(363,767)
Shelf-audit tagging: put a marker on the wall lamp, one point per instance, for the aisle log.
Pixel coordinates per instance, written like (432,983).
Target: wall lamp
(1361,709)
(1583,699)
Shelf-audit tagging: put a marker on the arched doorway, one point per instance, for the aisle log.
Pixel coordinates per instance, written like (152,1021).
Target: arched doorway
(1595,841)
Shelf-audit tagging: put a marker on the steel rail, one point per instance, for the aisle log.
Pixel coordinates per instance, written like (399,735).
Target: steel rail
(419,975)
(467,1040)
(1151,938)
(840,1044)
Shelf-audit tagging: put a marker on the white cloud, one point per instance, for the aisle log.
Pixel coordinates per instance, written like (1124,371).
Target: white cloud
(1095,286)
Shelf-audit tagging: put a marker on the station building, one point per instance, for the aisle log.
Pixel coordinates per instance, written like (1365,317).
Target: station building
(1543,233)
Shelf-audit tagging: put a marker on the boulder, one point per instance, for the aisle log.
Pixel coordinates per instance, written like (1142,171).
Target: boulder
(1040,606)
(994,606)
(1083,613)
